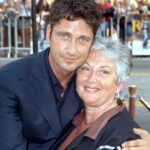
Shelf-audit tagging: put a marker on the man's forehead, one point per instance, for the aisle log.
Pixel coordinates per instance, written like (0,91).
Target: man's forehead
(78,25)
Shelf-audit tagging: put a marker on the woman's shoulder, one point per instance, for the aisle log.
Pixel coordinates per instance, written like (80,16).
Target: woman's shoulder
(117,130)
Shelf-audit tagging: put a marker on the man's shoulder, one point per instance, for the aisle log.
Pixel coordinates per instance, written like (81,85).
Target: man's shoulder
(23,65)
(20,62)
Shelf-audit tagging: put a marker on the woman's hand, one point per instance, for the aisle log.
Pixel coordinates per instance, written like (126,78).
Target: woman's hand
(140,144)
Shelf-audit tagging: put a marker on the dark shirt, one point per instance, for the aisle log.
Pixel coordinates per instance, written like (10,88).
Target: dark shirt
(58,89)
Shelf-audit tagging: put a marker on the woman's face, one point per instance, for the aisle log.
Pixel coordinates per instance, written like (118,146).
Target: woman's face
(97,80)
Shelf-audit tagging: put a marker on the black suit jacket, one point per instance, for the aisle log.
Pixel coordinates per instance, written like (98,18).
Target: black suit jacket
(29,118)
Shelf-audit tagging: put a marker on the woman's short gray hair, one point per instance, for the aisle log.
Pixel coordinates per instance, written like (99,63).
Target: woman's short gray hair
(118,53)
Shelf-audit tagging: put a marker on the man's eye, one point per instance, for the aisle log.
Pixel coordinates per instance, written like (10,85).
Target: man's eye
(64,36)
(84,40)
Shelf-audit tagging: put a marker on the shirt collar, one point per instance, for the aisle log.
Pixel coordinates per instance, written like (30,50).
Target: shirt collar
(93,131)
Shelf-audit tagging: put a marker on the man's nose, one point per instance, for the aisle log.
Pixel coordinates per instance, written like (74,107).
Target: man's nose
(73,47)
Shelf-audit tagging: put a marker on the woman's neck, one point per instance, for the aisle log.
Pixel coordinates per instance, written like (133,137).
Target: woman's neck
(92,113)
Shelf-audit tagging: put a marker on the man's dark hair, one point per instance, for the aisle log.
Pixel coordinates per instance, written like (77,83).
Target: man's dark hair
(88,10)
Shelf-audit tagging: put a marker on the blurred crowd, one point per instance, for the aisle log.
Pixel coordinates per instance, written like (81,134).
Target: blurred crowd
(122,19)
(125,19)
(18,12)
(23,8)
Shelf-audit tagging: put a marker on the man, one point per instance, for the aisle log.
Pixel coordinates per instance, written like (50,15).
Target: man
(37,94)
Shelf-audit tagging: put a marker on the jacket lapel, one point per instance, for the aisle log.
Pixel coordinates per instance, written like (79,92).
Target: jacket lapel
(43,96)
(72,104)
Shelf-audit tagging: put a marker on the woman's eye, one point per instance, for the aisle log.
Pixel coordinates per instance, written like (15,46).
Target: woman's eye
(104,72)
(84,69)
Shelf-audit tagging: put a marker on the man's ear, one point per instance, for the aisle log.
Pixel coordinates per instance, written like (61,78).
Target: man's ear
(121,86)
(48,33)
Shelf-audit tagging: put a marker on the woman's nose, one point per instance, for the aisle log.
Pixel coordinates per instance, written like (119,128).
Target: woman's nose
(92,77)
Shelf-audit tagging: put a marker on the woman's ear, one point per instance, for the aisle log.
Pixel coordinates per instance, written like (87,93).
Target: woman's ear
(48,33)
(121,86)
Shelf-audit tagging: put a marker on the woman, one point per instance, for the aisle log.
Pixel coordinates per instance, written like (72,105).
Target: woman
(104,122)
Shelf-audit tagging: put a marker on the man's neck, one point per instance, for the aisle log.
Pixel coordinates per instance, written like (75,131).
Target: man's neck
(62,75)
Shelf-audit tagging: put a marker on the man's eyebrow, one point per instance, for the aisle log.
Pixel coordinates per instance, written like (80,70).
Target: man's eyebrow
(63,32)
(85,36)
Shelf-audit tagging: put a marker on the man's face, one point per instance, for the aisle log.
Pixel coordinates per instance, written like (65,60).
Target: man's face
(70,43)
